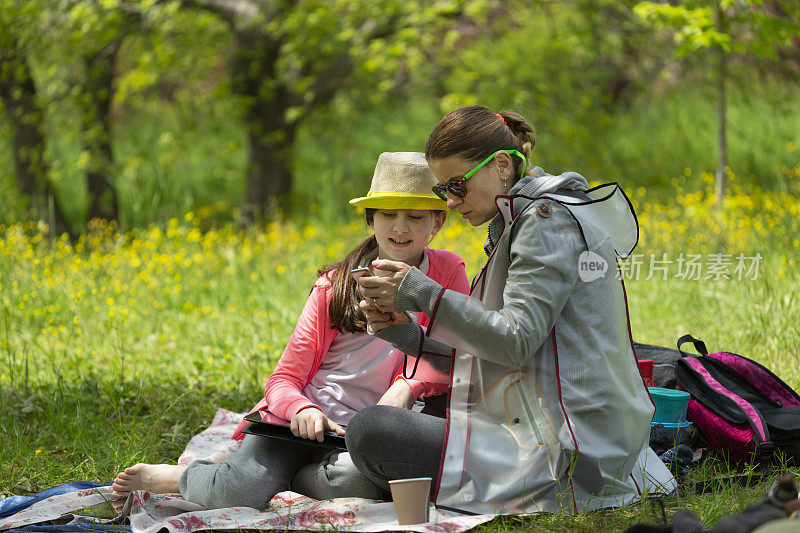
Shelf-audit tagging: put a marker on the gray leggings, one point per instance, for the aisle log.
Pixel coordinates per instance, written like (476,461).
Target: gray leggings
(264,467)
(388,443)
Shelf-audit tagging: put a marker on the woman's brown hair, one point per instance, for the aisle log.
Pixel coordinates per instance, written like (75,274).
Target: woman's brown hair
(343,309)
(475,132)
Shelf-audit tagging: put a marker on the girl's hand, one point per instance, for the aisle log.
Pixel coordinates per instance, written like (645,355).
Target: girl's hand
(382,288)
(312,424)
(398,395)
(377,320)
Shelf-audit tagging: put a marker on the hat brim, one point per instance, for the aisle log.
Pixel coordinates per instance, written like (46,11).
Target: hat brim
(388,200)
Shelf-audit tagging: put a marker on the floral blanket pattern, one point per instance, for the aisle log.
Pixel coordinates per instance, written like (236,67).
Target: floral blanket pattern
(147,512)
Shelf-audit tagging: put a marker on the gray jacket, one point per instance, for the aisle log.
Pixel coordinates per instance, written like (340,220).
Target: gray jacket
(547,411)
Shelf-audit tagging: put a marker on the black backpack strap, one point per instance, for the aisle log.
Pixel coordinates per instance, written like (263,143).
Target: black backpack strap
(763,470)
(693,382)
(699,345)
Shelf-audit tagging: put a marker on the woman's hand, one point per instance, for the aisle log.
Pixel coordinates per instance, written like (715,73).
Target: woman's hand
(311,424)
(398,395)
(382,288)
(377,320)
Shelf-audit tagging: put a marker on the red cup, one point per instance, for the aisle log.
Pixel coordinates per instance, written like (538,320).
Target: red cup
(646,370)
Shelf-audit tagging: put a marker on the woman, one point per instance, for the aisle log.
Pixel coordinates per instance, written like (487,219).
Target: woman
(547,411)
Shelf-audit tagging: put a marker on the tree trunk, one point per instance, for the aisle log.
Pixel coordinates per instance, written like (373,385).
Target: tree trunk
(26,117)
(265,101)
(721,177)
(269,173)
(96,106)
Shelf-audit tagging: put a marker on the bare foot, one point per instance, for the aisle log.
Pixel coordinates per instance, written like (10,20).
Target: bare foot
(160,479)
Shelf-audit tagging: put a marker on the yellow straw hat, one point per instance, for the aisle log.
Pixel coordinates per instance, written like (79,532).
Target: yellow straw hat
(402,180)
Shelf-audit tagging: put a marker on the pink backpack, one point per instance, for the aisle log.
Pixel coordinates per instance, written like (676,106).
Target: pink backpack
(741,408)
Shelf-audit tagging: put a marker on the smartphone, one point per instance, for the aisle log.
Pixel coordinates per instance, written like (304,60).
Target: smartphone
(360,271)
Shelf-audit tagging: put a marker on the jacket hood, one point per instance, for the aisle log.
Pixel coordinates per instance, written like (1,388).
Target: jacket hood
(539,182)
(533,185)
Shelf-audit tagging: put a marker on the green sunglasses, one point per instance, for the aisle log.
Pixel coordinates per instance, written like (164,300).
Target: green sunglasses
(456,185)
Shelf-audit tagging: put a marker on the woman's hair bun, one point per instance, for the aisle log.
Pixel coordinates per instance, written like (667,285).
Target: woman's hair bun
(521,129)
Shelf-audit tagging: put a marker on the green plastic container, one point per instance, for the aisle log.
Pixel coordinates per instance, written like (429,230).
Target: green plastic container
(670,405)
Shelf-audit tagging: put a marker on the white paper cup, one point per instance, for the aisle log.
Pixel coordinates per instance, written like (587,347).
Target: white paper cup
(410,498)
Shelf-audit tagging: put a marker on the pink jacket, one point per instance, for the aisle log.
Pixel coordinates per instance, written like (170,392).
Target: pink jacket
(313,336)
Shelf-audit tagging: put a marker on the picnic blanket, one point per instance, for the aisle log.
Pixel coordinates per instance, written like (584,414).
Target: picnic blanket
(148,512)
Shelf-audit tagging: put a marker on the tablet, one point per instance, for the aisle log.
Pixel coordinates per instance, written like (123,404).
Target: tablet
(265,424)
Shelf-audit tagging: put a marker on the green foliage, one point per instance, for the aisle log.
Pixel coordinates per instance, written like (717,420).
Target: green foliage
(383,42)
(354,79)
(740,26)
(695,28)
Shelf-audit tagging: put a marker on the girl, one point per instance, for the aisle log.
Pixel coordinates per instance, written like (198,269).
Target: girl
(331,368)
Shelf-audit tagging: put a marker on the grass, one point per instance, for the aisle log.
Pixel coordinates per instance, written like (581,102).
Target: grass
(117,348)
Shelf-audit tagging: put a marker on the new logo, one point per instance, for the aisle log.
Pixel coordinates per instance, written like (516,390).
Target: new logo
(591,266)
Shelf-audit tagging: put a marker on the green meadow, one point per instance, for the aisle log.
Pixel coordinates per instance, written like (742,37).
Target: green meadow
(117,348)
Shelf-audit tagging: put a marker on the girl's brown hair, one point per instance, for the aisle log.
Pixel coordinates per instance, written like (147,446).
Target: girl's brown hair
(343,309)
(475,132)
